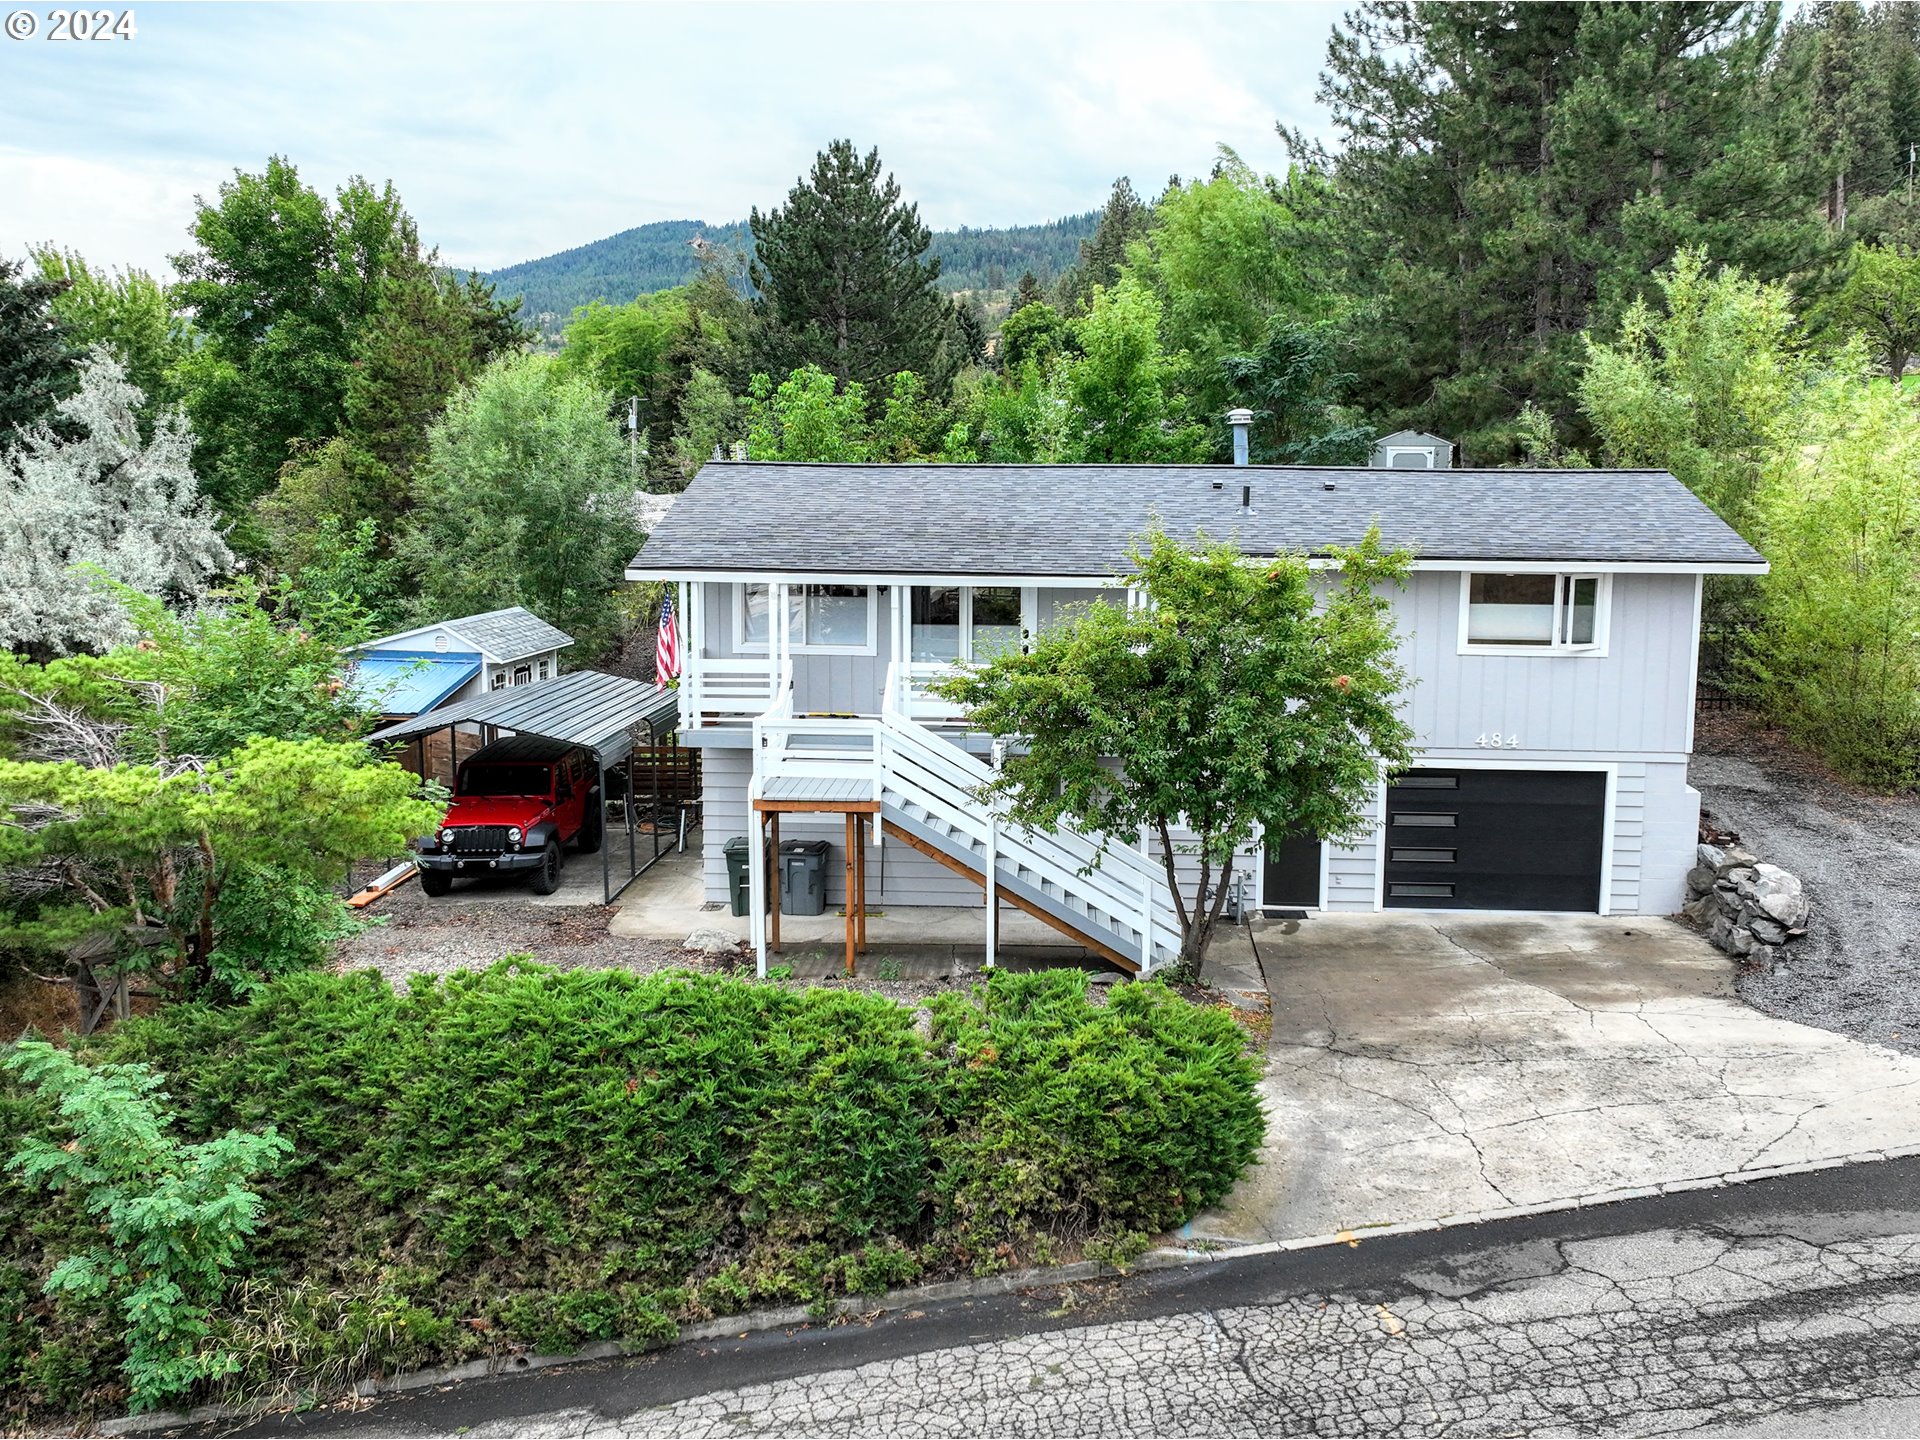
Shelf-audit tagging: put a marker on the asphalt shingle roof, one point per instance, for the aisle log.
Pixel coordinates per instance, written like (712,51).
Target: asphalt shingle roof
(1079,519)
(509,634)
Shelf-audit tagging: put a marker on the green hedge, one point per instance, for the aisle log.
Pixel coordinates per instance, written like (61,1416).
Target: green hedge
(523,1157)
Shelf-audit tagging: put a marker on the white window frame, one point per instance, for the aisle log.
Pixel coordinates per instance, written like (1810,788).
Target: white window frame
(546,669)
(1394,452)
(796,592)
(500,680)
(1563,583)
(965,656)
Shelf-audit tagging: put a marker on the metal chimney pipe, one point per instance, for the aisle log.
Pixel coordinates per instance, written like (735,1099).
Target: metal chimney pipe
(1241,420)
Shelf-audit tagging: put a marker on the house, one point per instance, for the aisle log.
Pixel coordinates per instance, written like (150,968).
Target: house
(1550,626)
(414,671)
(1411,450)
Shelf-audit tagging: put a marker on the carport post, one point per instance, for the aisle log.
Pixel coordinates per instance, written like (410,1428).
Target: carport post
(606,866)
(757,889)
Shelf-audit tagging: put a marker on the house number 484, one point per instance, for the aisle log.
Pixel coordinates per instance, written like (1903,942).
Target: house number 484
(1494,740)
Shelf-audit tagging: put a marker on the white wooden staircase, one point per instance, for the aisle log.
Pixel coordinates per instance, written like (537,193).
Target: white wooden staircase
(1100,892)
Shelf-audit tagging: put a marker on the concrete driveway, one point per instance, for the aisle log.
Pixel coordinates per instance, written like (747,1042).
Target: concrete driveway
(1437,1068)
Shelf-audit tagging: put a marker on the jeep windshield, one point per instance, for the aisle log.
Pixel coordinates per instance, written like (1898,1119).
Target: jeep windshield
(504,780)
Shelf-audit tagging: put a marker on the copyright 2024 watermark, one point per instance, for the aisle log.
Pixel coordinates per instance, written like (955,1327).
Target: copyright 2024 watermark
(78,25)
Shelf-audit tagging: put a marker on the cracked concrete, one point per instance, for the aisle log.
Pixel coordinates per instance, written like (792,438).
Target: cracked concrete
(1429,1067)
(1655,1333)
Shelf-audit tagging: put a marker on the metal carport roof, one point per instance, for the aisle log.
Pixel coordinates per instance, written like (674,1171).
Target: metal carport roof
(583,707)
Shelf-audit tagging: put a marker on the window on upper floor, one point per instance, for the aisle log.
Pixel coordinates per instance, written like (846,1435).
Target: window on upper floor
(522,674)
(1534,614)
(965,622)
(820,618)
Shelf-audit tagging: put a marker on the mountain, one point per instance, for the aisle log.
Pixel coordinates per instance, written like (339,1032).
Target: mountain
(663,254)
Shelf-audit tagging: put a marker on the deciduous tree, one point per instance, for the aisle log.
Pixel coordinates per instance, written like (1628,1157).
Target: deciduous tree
(1243,697)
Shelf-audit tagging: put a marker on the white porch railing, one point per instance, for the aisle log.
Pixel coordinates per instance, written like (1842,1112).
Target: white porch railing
(727,689)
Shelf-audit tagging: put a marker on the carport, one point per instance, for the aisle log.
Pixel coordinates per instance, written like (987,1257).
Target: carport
(630,726)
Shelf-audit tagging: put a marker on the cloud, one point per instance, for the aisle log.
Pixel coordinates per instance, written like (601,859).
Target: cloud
(515,131)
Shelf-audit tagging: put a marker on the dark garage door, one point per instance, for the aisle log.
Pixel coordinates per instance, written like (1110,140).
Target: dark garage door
(1495,839)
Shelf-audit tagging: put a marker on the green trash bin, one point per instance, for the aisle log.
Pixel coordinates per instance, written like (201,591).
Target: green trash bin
(803,877)
(739,886)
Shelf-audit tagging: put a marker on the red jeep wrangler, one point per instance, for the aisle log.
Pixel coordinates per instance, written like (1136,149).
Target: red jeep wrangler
(515,803)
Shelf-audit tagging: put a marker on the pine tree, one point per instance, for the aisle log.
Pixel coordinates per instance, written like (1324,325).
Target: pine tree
(37,362)
(1028,293)
(1125,218)
(845,282)
(1513,173)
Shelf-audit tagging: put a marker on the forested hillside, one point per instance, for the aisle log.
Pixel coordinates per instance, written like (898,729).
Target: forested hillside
(667,253)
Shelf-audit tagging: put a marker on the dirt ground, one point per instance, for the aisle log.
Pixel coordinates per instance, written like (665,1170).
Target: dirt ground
(1857,970)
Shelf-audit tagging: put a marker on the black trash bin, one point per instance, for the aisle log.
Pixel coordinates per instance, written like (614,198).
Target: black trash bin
(803,877)
(739,886)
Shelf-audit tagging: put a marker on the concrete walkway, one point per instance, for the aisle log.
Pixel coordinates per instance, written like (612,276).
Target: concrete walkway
(1427,1068)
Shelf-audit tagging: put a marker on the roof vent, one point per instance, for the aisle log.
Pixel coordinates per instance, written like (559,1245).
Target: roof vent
(1327,484)
(1241,420)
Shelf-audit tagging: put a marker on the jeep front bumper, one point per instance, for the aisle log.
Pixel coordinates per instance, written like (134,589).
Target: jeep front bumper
(480,864)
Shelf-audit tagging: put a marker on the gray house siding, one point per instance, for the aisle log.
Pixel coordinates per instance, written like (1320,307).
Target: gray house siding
(1634,699)
(896,875)
(1629,708)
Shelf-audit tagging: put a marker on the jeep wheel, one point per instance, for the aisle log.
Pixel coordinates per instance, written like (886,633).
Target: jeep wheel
(592,828)
(546,879)
(435,882)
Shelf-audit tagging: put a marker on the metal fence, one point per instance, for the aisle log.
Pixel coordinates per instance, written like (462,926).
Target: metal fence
(1721,682)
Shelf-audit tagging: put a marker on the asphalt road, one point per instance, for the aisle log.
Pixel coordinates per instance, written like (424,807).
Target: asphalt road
(1781,1307)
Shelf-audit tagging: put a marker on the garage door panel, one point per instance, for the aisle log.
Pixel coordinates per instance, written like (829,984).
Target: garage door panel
(1495,840)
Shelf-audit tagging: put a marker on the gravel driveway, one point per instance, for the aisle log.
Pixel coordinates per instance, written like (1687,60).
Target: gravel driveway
(1857,970)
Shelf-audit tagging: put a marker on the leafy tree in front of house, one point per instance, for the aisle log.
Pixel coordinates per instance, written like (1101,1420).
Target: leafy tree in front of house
(170,1219)
(38,358)
(845,281)
(526,497)
(96,502)
(1881,302)
(1245,696)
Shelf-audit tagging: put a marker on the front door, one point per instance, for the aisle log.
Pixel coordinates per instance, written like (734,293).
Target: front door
(1292,875)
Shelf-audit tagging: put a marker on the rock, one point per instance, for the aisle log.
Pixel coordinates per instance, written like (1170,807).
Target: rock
(1104,977)
(1720,932)
(1699,880)
(1739,941)
(1711,857)
(1741,878)
(1765,956)
(1767,931)
(711,940)
(1734,858)
(1701,909)
(1779,894)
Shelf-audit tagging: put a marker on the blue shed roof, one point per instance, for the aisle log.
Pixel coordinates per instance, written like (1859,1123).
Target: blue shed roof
(408,682)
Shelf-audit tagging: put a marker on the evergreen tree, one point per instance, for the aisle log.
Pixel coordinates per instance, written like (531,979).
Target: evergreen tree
(845,282)
(1125,219)
(37,360)
(1028,293)
(1513,173)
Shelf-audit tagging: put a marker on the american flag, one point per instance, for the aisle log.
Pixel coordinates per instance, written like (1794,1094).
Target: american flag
(666,648)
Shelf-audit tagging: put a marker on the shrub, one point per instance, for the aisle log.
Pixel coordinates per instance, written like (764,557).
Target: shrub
(174,1216)
(519,1157)
(1077,1119)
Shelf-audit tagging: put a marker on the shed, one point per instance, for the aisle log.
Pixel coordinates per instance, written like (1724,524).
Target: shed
(1411,450)
(631,726)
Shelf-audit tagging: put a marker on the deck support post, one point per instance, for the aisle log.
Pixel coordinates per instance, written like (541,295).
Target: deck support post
(990,877)
(757,891)
(853,882)
(772,848)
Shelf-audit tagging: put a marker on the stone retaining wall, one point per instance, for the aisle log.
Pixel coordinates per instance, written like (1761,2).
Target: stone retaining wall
(1746,907)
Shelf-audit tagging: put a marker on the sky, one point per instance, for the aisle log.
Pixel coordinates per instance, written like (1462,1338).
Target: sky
(515,130)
